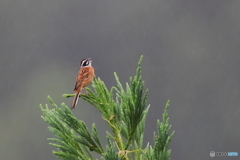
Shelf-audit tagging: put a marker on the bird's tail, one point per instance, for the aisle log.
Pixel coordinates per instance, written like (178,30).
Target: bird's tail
(75,100)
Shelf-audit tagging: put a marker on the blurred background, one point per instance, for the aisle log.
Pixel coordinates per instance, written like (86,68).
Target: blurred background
(191,57)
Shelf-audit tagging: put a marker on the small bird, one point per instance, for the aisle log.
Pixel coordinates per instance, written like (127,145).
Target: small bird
(84,78)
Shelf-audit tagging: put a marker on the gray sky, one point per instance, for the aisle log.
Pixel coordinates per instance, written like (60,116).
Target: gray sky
(191,57)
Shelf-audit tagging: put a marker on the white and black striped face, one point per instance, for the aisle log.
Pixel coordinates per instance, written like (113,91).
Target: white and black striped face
(86,62)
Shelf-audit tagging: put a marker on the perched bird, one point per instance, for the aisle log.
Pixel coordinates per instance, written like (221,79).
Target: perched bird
(84,78)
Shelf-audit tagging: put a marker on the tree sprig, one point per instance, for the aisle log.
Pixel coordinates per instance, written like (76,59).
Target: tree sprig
(125,113)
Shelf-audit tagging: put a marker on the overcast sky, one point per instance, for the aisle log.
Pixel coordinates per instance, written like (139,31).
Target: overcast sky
(191,57)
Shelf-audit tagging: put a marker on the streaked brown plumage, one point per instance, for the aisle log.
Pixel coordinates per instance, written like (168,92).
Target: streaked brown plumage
(84,78)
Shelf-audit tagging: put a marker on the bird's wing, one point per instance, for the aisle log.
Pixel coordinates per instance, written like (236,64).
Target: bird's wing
(83,74)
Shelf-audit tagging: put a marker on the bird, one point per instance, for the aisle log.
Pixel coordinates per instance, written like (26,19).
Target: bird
(84,78)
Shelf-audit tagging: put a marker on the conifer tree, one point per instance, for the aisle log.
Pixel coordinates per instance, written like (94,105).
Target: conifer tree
(124,110)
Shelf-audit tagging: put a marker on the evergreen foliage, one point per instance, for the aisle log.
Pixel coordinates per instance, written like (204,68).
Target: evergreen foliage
(125,114)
